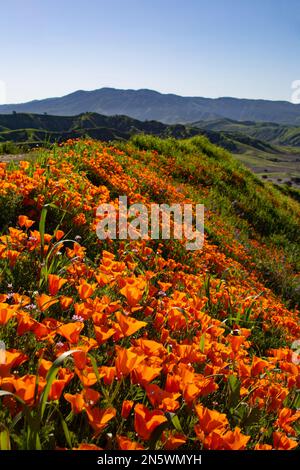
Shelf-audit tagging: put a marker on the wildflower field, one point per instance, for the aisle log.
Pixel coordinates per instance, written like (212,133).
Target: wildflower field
(141,344)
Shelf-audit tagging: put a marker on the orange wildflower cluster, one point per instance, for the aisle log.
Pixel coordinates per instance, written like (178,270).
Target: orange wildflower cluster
(164,343)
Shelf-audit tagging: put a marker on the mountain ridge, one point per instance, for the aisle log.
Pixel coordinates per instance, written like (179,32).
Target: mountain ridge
(169,108)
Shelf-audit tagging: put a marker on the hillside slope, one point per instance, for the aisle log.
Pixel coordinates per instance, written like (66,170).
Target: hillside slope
(276,134)
(168,108)
(173,348)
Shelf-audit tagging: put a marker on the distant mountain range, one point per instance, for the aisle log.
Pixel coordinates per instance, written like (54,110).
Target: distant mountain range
(167,108)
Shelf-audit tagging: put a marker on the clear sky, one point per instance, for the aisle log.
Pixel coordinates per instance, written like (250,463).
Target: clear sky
(242,48)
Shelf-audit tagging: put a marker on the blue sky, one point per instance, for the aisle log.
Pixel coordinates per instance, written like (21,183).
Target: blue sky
(193,47)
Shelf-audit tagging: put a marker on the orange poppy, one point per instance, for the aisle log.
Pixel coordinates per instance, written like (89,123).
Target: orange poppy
(79,401)
(24,221)
(126,408)
(85,446)
(173,441)
(262,447)
(124,443)
(59,234)
(167,401)
(25,387)
(71,331)
(286,418)
(44,301)
(126,361)
(103,333)
(146,421)
(143,374)
(12,359)
(99,418)
(129,325)
(55,283)
(210,420)
(235,440)
(65,302)
(282,442)
(87,376)
(6,313)
(132,293)
(85,290)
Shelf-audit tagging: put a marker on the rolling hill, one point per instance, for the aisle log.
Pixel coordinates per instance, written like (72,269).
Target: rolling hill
(276,163)
(168,108)
(272,132)
(33,129)
(130,343)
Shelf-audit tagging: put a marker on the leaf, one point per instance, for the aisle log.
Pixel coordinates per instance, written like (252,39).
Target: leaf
(234,390)
(296,402)
(51,377)
(95,368)
(202,343)
(176,423)
(4,438)
(65,429)
(33,440)
(42,226)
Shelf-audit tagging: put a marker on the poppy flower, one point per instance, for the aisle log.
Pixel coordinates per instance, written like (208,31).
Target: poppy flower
(85,446)
(286,418)
(103,333)
(235,440)
(44,302)
(167,401)
(146,421)
(129,325)
(87,376)
(260,446)
(55,283)
(71,331)
(25,387)
(210,420)
(59,234)
(126,361)
(173,441)
(133,294)
(99,418)
(24,221)
(126,408)
(143,374)
(12,359)
(108,374)
(6,313)
(65,302)
(282,442)
(77,402)
(124,443)
(85,290)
